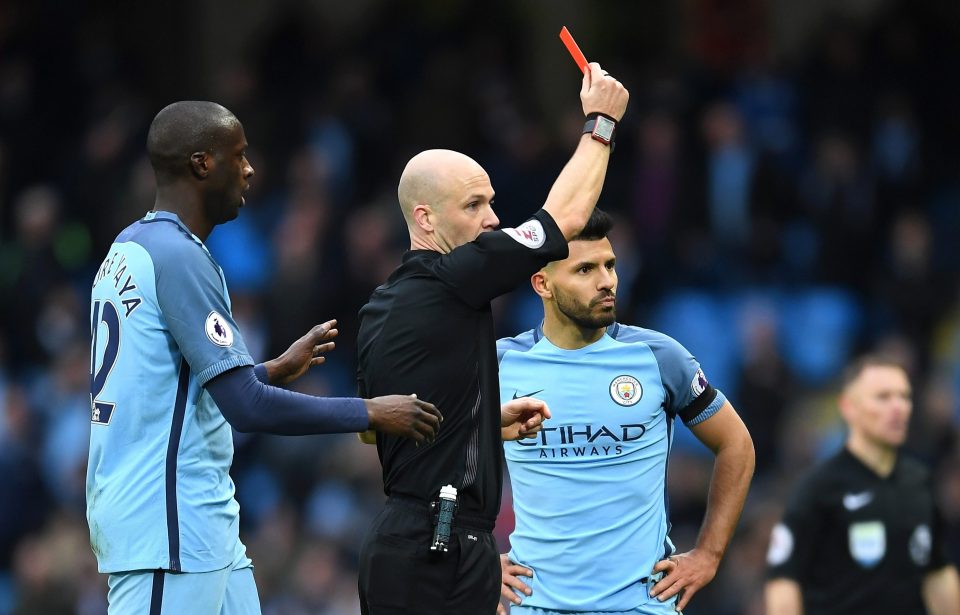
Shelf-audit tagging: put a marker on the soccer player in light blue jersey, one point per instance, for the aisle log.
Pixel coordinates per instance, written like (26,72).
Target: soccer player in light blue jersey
(170,374)
(589,491)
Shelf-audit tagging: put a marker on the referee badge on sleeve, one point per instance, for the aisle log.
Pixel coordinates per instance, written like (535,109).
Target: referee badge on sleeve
(868,542)
(781,545)
(529,234)
(218,331)
(921,543)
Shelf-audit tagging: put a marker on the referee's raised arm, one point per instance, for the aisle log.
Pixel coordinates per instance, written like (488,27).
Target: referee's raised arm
(575,193)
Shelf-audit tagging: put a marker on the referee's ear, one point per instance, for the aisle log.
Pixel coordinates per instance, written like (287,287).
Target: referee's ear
(539,283)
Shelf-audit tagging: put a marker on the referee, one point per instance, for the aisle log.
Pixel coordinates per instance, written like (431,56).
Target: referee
(429,330)
(862,533)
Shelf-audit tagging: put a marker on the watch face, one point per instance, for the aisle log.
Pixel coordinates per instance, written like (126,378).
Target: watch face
(604,128)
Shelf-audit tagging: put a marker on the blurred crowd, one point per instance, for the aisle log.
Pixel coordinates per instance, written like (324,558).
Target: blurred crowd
(786,184)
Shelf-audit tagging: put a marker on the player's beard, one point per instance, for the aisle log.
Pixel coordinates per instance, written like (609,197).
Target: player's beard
(586,316)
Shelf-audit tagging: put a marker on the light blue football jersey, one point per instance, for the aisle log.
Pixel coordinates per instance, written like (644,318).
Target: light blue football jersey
(589,493)
(158,490)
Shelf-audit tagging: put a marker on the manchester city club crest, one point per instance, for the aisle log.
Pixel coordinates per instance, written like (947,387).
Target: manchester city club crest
(626,390)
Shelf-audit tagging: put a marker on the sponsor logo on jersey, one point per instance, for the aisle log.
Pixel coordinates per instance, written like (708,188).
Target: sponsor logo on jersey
(920,545)
(868,542)
(517,396)
(856,501)
(626,390)
(699,384)
(218,331)
(565,435)
(781,545)
(529,234)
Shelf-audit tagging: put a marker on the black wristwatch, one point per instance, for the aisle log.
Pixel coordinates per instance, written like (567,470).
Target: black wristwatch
(602,128)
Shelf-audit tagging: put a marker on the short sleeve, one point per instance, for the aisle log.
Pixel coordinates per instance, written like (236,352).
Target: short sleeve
(938,554)
(793,541)
(496,262)
(689,394)
(193,300)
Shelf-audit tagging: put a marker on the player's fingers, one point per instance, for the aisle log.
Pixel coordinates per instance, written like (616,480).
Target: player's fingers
(322,348)
(430,420)
(315,361)
(429,430)
(671,587)
(321,330)
(428,407)
(686,594)
(517,584)
(500,610)
(664,565)
(509,594)
(518,571)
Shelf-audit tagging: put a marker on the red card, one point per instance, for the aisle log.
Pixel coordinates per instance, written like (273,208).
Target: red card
(574,50)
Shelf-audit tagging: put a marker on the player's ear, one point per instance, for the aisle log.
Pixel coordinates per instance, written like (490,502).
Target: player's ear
(539,283)
(200,164)
(423,216)
(846,406)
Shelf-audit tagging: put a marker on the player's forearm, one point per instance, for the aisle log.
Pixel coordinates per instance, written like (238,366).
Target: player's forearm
(783,597)
(575,192)
(732,472)
(941,591)
(251,406)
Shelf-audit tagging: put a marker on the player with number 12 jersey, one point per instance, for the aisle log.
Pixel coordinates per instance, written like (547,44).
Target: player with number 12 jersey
(157,476)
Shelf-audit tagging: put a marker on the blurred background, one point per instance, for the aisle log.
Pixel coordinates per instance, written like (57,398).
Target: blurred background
(786,180)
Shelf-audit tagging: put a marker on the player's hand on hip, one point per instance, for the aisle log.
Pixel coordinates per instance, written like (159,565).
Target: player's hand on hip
(684,574)
(302,354)
(404,416)
(601,93)
(509,581)
(522,417)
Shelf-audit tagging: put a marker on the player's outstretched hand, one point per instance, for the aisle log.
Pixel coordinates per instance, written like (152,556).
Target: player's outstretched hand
(602,93)
(302,354)
(509,581)
(522,417)
(684,573)
(404,416)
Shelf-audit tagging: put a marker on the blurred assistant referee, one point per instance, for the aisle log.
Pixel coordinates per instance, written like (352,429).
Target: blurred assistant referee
(862,532)
(429,331)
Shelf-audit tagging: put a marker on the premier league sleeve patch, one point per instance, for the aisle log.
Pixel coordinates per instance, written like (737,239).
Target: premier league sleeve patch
(529,234)
(699,384)
(781,545)
(218,331)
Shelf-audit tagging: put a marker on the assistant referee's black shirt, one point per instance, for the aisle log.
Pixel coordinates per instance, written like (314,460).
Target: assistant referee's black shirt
(429,330)
(857,542)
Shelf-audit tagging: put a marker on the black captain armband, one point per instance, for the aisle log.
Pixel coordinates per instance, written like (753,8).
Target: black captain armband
(602,128)
(699,404)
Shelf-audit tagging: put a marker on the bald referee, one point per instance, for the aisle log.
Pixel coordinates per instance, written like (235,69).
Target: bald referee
(429,330)
(862,532)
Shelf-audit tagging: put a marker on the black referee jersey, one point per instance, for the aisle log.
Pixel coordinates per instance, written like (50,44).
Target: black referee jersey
(429,330)
(857,542)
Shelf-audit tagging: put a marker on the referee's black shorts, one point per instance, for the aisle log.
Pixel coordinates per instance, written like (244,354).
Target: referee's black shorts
(400,574)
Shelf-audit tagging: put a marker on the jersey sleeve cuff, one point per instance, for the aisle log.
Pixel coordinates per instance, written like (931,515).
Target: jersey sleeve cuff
(712,408)
(220,367)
